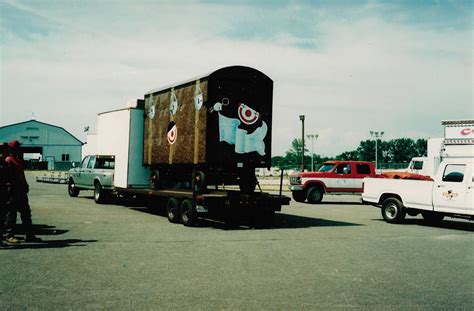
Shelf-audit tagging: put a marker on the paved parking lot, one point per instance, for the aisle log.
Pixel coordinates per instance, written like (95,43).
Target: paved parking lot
(336,255)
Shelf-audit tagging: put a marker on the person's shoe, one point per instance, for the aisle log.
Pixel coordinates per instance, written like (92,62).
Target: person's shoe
(32,238)
(12,240)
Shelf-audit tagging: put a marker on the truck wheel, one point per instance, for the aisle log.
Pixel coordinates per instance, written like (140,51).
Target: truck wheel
(393,211)
(172,210)
(99,193)
(299,196)
(199,181)
(188,213)
(71,188)
(315,195)
(155,180)
(432,218)
(247,180)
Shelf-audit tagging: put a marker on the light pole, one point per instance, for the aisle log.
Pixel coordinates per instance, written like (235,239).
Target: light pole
(302,142)
(312,137)
(377,135)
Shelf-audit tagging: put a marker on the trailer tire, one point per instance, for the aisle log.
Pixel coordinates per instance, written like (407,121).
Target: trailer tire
(199,181)
(432,218)
(155,179)
(299,196)
(71,188)
(393,211)
(314,195)
(248,181)
(99,193)
(172,210)
(188,213)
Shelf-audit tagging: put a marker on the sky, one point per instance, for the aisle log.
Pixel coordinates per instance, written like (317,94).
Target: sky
(349,66)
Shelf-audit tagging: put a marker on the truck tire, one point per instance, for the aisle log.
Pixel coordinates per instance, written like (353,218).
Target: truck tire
(432,218)
(299,196)
(247,180)
(172,210)
(314,195)
(393,211)
(199,182)
(188,213)
(71,188)
(155,180)
(99,193)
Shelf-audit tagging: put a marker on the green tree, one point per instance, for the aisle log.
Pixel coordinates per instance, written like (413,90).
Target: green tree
(348,155)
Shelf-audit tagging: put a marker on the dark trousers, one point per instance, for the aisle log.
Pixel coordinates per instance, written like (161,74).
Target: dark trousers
(19,204)
(3,217)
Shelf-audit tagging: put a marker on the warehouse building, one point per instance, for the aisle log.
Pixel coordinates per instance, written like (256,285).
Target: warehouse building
(44,146)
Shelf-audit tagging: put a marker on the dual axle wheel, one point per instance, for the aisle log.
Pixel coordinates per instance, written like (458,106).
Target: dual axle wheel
(181,212)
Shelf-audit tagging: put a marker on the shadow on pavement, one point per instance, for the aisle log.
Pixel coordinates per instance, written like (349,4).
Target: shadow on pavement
(49,244)
(42,230)
(246,222)
(446,224)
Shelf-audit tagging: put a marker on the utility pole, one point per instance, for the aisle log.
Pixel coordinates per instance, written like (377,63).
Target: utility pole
(377,135)
(312,137)
(302,142)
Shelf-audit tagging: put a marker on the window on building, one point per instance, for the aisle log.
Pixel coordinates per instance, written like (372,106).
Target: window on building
(65,157)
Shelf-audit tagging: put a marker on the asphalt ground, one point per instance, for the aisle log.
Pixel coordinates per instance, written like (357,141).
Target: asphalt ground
(334,255)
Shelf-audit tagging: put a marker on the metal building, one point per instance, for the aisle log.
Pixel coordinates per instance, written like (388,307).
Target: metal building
(44,145)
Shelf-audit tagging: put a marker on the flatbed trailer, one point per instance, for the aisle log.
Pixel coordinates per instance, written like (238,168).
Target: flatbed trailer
(182,144)
(185,206)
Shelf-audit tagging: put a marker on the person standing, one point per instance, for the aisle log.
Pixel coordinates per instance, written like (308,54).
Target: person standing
(20,189)
(5,189)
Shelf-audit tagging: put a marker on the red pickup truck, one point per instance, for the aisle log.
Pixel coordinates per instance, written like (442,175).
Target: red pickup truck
(334,177)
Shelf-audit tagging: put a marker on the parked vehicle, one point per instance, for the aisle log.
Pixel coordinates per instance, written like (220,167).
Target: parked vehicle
(184,146)
(94,173)
(333,177)
(428,165)
(449,194)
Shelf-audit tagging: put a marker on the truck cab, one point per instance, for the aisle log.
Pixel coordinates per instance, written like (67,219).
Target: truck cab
(333,177)
(96,172)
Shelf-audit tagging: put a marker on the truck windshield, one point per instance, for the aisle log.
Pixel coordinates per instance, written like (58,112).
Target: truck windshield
(326,167)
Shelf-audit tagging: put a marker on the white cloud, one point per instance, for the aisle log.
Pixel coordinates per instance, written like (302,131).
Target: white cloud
(364,74)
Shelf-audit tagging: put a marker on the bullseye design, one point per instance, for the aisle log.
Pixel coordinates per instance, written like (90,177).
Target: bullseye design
(172,133)
(247,115)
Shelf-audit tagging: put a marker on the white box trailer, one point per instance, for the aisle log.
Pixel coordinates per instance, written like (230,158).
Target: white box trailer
(117,135)
(458,142)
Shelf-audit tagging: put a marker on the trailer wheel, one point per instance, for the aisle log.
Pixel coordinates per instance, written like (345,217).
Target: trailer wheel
(199,181)
(247,181)
(315,195)
(432,218)
(99,193)
(71,188)
(172,210)
(188,213)
(393,211)
(299,196)
(155,180)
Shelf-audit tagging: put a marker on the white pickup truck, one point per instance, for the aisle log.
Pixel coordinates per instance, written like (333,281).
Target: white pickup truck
(450,194)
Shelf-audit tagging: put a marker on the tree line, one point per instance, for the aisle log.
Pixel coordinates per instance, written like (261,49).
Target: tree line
(393,152)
